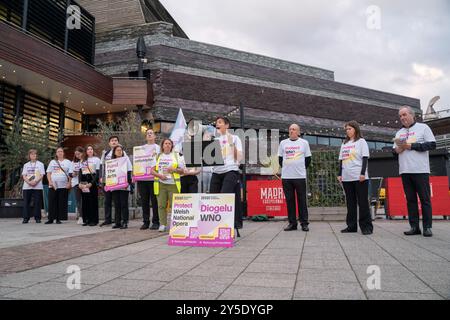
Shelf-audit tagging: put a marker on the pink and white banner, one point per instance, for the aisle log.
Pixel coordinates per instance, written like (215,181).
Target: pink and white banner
(202,220)
(116,174)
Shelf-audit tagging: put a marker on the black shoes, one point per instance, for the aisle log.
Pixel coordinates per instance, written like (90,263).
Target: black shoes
(413,232)
(106,223)
(58,222)
(25,221)
(145,226)
(291,227)
(124,226)
(84,224)
(116,226)
(427,232)
(347,230)
(93,224)
(366,232)
(305,228)
(154,226)
(49,222)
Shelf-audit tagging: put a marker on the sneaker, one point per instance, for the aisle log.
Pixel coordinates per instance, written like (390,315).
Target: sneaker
(162,228)
(80,220)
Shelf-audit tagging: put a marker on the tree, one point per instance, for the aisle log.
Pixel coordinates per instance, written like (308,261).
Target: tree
(33,134)
(128,129)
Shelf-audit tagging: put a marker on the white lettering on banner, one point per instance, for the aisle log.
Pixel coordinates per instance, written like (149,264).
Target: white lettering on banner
(272,194)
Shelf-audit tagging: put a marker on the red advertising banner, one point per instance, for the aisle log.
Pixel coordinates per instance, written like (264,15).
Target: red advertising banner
(266,197)
(396,200)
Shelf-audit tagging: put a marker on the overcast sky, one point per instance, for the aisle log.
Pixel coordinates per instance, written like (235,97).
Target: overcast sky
(405,51)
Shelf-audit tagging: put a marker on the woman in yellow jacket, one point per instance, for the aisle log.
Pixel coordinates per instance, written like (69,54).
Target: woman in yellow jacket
(167,180)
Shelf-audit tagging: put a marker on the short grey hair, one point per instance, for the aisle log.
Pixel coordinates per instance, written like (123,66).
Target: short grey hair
(410,110)
(295,125)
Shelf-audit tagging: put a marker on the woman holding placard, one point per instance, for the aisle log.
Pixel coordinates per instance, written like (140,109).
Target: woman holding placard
(89,173)
(167,173)
(120,197)
(353,174)
(76,163)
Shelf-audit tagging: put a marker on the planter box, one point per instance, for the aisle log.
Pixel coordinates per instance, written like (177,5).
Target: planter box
(11,208)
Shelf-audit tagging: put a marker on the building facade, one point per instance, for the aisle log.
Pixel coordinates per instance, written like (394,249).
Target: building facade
(71,77)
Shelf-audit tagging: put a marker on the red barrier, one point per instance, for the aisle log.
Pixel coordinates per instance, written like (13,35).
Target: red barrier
(396,199)
(266,198)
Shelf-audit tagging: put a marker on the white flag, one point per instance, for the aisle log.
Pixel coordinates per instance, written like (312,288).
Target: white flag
(178,132)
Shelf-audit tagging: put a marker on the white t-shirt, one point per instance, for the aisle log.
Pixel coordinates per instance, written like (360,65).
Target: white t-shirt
(294,154)
(411,161)
(90,166)
(59,177)
(165,162)
(35,169)
(352,154)
(76,169)
(228,143)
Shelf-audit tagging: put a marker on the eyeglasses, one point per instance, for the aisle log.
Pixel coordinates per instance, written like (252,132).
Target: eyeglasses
(150,133)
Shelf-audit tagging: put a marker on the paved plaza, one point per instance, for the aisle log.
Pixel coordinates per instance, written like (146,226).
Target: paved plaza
(265,264)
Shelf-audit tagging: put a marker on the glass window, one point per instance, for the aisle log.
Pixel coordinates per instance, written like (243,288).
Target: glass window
(311,139)
(335,142)
(372,145)
(325,141)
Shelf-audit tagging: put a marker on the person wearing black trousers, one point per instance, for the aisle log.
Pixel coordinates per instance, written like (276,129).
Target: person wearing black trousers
(146,190)
(59,174)
(412,144)
(120,197)
(353,174)
(88,184)
(226,178)
(295,157)
(32,174)
(107,155)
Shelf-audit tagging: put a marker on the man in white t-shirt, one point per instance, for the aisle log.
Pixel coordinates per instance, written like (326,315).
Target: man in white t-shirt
(145,188)
(412,144)
(295,157)
(226,178)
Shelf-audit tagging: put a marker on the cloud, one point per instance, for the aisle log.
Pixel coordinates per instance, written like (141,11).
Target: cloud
(426,73)
(409,55)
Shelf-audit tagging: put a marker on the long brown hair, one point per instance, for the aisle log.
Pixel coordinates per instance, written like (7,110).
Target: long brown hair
(354,125)
(162,144)
(83,154)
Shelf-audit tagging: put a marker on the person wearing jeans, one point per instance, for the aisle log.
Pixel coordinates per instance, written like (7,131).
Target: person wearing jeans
(295,157)
(353,174)
(413,144)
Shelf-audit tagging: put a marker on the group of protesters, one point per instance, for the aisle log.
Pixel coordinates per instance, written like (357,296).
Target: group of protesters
(85,175)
